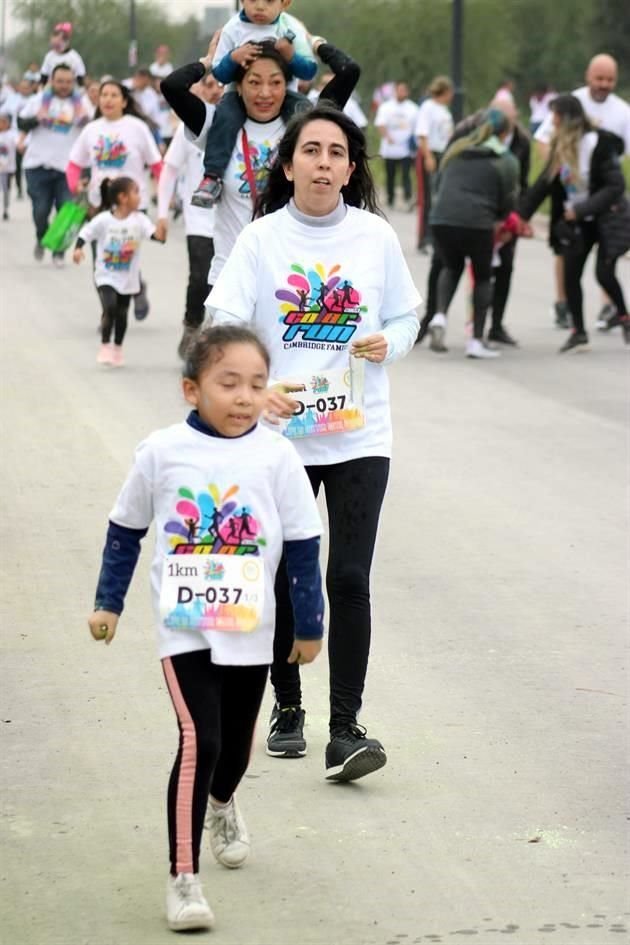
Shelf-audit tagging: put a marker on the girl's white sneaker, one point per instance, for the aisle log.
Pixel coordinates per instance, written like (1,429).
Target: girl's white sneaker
(477,349)
(229,839)
(186,905)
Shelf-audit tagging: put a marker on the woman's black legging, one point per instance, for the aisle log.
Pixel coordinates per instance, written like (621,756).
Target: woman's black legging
(115,311)
(574,262)
(455,244)
(216,708)
(354,495)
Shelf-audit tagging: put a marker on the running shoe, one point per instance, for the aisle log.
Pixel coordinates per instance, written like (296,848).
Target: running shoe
(502,337)
(208,192)
(117,359)
(476,349)
(562,315)
(38,252)
(186,905)
(350,754)
(286,733)
(437,330)
(229,839)
(58,260)
(105,354)
(577,341)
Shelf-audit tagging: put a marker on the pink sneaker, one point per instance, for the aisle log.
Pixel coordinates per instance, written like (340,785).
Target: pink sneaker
(105,354)
(117,356)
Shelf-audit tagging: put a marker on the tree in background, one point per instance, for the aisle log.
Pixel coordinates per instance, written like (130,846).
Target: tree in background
(101,33)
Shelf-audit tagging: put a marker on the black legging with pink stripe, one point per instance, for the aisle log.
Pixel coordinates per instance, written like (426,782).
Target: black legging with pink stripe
(216,708)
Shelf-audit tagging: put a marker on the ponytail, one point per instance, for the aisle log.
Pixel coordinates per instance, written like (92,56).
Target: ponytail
(112,189)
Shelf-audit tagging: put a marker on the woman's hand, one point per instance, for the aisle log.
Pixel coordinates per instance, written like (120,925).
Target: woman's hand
(78,256)
(285,48)
(212,48)
(569,214)
(429,163)
(304,651)
(279,403)
(161,230)
(246,54)
(372,348)
(103,625)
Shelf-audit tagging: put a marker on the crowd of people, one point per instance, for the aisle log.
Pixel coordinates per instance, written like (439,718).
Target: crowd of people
(298,298)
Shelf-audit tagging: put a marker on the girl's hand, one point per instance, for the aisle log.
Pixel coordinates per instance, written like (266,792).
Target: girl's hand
(103,625)
(78,256)
(372,348)
(304,651)
(279,404)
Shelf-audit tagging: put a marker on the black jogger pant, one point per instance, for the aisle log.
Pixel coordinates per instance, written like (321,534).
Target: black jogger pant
(354,495)
(115,311)
(216,708)
(574,262)
(390,174)
(455,244)
(200,253)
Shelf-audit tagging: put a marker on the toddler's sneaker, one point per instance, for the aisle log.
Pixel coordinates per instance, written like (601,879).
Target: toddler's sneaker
(437,330)
(229,839)
(105,354)
(117,359)
(58,260)
(208,192)
(141,307)
(350,754)
(38,252)
(186,905)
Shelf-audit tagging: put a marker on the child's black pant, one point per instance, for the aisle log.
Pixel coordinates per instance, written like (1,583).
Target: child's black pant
(115,310)
(216,708)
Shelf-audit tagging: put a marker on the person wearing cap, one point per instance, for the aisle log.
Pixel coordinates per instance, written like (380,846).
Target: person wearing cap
(61,53)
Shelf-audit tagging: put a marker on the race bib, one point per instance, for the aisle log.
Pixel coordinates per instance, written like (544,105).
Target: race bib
(212,592)
(329,402)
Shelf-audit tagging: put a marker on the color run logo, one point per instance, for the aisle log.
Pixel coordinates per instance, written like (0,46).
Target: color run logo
(319,307)
(109,152)
(211,523)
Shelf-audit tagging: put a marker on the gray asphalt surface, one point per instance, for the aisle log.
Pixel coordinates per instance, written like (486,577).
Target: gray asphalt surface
(498,679)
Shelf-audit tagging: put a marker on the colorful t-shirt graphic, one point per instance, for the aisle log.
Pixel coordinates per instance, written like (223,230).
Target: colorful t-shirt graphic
(261,155)
(60,114)
(118,254)
(109,152)
(320,307)
(210,523)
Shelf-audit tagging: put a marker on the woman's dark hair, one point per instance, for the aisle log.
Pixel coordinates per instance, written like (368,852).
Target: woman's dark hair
(112,189)
(569,107)
(129,105)
(268,51)
(358,192)
(209,347)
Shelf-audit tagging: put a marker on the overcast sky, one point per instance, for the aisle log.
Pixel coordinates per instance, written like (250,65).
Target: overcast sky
(175,9)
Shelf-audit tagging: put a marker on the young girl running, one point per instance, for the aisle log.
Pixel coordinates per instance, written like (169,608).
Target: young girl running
(117,231)
(229,497)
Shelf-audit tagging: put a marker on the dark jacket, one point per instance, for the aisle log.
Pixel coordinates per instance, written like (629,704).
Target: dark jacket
(520,147)
(476,189)
(606,187)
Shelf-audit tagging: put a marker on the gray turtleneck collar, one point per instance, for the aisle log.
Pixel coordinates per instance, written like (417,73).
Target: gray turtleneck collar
(330,219)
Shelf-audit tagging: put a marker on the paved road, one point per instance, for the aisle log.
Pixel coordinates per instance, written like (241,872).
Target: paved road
(497,680)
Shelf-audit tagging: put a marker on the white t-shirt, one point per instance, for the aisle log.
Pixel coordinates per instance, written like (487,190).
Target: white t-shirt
(121,148)
(434,122)
(187,159)
(69,58)
(117,248)
(161,69)
(235,208)
(148,101)
(352,108)
(8,140)
(198,489)
(49,144)
(613,114)
(399,120)
(277,256)
(165,117)
(539,107)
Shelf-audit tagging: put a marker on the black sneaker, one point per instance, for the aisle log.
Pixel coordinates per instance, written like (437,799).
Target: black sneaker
(424,327)
(613,322)
(563,316)
(208,192)
(286,733)
(625,327)
(350,754)
(502,337)
(577,340)
(38,252)
(141,305)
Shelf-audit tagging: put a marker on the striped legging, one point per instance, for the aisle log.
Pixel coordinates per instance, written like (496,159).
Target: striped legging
(216,708)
